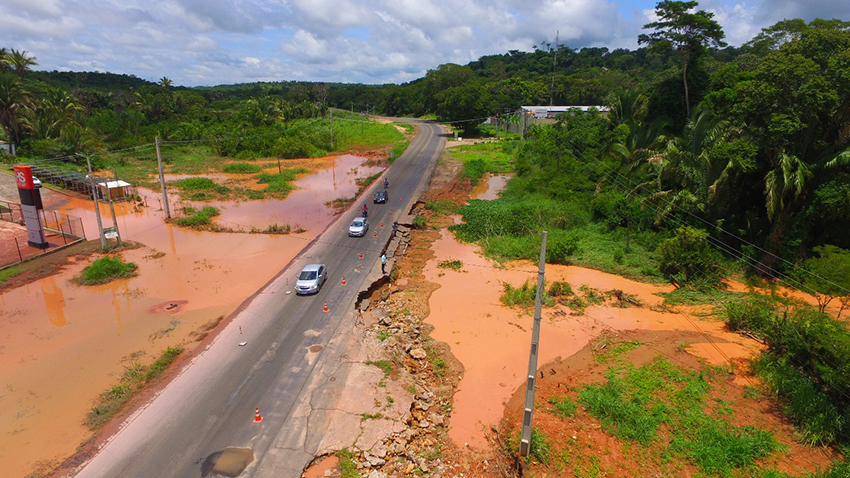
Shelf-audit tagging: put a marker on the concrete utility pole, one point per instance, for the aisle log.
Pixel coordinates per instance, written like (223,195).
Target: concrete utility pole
(96,207)
(528,409)
(162,180)
(112,209)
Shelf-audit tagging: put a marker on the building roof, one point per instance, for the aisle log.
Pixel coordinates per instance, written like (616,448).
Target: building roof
(114,184)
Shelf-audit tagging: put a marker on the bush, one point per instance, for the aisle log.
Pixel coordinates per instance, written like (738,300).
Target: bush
(106,269)
(688,256)
(754,314)
(560,247)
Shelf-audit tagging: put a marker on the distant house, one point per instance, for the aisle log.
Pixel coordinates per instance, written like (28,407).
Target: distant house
(549,112)
(7,147)
(117,189)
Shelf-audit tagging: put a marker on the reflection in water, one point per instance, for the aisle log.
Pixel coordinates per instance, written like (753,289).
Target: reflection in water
(89,332)
(54,300)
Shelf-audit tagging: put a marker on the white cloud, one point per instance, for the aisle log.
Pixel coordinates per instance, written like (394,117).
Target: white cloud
(201,42)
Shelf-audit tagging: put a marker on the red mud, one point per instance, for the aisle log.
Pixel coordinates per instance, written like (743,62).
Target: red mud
(61,344)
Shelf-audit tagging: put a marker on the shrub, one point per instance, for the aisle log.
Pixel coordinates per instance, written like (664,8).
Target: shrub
(106,269)
(559,289)
(560,247)
(754,314)
(688,256)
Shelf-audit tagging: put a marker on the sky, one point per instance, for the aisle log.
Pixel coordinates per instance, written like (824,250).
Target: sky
(212,42)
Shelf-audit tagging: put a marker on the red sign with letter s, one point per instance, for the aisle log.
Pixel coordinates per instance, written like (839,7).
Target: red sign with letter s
(23,177)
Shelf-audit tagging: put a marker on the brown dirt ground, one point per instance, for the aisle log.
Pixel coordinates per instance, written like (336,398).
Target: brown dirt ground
(586,446)
(592,449)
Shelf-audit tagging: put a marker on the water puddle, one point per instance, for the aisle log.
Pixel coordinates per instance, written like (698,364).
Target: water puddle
(493,341)
(490,189)
(315,348)
(52,331)
(231,461)
(322,465)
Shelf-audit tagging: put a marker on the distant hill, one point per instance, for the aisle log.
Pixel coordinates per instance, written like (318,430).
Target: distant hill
(88,80)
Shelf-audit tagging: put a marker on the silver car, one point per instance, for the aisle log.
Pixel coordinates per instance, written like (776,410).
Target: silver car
(311,279)
(358,227)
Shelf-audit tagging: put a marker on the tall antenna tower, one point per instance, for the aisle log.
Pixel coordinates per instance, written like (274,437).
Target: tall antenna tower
(554,61)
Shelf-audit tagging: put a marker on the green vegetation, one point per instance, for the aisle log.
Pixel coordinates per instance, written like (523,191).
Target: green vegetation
(524,296)
(198,219)
(8,273)
(541,449)
(280,182)
(635,402)
(106,269)
(134,378)
(455,265)
(479,159)
(347,467)
(563,407)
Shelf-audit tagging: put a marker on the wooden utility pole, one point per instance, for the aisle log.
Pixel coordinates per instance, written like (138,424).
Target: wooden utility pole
(162,180)
(96,207)
(528,409)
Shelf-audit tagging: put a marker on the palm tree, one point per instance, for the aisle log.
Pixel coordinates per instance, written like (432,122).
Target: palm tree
(21,62)
(688,170)
(13,100)
(165,82)
(53,114)
(4,60)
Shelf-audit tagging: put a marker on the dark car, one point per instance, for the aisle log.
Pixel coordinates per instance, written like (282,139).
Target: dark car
(380,196)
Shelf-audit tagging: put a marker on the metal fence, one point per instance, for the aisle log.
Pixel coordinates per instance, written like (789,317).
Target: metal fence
(59,230)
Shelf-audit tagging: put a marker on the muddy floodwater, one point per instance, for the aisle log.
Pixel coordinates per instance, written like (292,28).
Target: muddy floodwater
(493,341)
(61,344)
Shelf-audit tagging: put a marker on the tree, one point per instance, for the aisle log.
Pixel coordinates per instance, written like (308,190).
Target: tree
(4,60)
(21,62)
(827,276)
(688,256)
(13,100)
(165,82)
(687,32)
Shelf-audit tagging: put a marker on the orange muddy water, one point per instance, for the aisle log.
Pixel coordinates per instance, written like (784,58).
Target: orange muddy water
(493,341)
(61,344)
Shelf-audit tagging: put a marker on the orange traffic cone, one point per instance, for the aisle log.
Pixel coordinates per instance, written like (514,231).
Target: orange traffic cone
(391,213)
(382,224)
(408,186)
(326,307)
(257,417)
(343,280)
(361,254)
(376,235)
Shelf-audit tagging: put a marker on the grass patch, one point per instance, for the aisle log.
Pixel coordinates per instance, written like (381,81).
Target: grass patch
(106,269)
(540,448)
(563,407)
(347,467)
(386,367)
(606,350)
(134,378)
(281,183)
(634,403)
(8,273)
(198,219)
(455,265)
(524,296)
(241,168)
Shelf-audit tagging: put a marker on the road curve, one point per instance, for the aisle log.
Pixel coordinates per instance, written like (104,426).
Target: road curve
(291,348)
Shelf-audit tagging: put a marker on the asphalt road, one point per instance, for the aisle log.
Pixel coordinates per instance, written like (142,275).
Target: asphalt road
(290,361)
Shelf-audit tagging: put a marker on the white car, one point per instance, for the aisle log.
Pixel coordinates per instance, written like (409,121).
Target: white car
(311,279)
(358,227)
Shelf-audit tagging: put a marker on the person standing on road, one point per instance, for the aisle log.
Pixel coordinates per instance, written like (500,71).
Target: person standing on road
(383,263)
